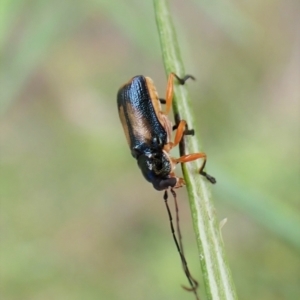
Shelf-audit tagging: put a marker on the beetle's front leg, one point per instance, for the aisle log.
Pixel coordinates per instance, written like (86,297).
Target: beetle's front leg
(194,156)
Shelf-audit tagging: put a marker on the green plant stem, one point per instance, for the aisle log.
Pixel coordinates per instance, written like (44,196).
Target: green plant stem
(216,273)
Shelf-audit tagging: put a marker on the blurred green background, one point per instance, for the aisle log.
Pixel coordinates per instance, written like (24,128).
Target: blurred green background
(78,221)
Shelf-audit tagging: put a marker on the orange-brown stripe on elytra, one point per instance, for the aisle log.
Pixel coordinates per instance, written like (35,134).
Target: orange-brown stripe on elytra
(154,96)
(162,118)
(139,125)
(124,124)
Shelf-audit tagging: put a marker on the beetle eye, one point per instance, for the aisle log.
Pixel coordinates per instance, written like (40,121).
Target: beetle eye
(161,165)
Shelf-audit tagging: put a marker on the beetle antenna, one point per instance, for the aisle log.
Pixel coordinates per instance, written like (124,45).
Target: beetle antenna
(180,238)
(177,221)
(193,283)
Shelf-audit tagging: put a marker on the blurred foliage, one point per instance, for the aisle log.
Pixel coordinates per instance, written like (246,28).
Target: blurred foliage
(78,221)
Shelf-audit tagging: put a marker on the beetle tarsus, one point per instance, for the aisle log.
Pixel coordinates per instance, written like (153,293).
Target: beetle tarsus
(189,132)
(186,132)
(184,79)
(209,177)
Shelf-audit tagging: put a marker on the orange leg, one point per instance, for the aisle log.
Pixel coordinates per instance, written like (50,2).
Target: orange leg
(179,133)
(170,88)
(194,156)
(190,157)
(169,93)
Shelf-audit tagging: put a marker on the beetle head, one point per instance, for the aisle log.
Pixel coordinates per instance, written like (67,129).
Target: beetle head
(156,168)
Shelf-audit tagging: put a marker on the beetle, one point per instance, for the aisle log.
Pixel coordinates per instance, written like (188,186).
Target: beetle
(148,131)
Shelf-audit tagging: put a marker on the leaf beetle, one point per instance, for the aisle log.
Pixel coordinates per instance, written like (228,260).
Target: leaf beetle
(148,131)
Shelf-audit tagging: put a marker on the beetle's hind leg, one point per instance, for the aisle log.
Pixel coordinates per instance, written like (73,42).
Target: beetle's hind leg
(184,79)
(170,89)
